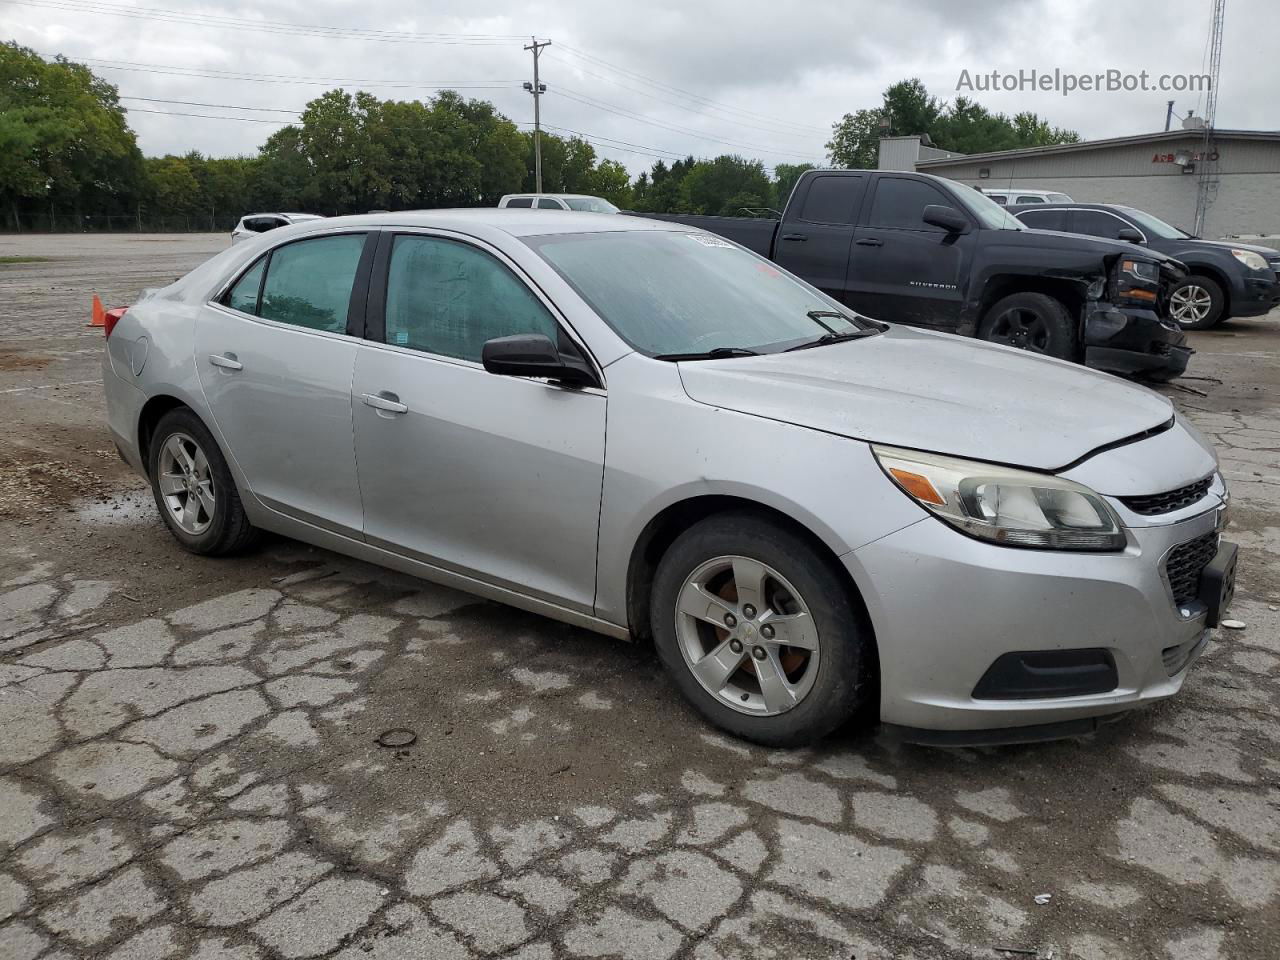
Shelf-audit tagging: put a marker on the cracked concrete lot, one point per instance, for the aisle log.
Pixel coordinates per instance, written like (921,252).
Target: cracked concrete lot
(189,764)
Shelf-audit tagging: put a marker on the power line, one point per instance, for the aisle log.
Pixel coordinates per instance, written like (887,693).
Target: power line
(631,115)
(777,127)
(248,76)
(265,26)
(207,116)
(677,90)
(220,106)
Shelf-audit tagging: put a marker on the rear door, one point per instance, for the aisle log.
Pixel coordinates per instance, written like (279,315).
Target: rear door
(814,243)
(1099,223)
(275,356)
(488,476)
(905,270)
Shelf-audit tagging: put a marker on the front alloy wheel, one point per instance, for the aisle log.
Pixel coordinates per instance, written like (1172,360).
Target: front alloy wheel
(1021,328)
(747,636)
(1190,305)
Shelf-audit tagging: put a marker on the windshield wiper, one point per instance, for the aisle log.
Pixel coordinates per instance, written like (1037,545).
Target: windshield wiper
(715,353)
(827,338)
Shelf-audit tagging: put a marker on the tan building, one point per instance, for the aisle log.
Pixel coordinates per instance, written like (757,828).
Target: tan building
(1154,172)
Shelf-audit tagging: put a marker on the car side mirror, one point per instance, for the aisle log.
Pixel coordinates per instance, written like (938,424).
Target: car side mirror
(948,218)
(1129,234)
(534,355)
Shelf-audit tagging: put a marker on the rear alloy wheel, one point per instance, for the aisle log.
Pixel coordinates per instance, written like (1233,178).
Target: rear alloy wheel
(1196,303)
(194,489)
(1034,322)
(758,631)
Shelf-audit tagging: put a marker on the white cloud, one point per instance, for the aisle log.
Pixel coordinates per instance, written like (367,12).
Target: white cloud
(778,74)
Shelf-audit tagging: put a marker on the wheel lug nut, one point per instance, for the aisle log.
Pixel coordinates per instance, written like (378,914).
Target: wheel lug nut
(749,611)
(730,620)
(767,632)
(758,653)
(735,646)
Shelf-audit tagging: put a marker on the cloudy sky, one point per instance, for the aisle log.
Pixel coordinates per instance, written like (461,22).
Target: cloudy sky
(662,78)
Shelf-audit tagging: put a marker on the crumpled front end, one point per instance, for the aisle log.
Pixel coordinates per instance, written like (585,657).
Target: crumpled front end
(1130,332)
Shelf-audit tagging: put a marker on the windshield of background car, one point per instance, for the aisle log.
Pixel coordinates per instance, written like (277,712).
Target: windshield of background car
(590,205)
(989,213)
(676,293)
(1150,224)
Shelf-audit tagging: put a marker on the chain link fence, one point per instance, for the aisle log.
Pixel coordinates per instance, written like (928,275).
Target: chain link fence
(141,222)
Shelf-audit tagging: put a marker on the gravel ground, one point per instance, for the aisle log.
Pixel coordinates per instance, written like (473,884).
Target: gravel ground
(190,762)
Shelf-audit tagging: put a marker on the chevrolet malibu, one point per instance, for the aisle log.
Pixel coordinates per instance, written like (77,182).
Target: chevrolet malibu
(648,431)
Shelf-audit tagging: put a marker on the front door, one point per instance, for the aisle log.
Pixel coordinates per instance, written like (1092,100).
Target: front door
(275,363)
(906,270)
(489,476)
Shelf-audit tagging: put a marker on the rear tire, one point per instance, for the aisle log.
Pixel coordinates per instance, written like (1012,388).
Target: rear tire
(774,587)
(1034,322)
(1197,303)
(193,487)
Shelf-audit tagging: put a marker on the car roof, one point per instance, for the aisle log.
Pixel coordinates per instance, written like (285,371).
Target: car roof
(557,196)
(1064,204)
(515,222)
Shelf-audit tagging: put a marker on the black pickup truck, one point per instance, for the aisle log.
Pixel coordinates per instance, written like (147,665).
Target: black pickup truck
(917,249)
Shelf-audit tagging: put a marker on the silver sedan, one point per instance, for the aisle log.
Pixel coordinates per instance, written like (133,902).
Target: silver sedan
(648,431)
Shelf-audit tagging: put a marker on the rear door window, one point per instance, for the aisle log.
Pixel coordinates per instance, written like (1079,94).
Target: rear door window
(244,295)
(900,203)
(833,199)
(309,282)
(1044,219)
(1030,199)
(1096,223)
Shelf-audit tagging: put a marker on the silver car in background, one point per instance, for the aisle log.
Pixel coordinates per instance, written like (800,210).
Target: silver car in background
(648,431)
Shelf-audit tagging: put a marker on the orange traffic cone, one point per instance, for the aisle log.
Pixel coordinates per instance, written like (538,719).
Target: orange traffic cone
(99,314)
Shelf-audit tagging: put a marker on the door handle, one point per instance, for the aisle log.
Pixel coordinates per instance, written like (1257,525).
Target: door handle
(800,237)
(869,242)
(385,401)
(226,362)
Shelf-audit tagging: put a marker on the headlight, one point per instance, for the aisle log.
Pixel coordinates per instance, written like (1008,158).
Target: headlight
(1254,261)
(1016,508)
(1142,269)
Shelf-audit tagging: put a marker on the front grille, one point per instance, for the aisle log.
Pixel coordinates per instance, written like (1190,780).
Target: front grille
(1158,503)
(1185,564)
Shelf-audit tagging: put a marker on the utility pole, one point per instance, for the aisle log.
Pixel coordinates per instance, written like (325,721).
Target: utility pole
(537,89)
(1168,117)
(1207,164)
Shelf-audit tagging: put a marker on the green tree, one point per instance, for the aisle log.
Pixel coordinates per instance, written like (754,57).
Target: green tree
(724,185)
(64,141)
(963,125)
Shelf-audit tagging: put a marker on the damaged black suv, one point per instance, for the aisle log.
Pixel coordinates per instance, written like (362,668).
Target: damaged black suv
(922,250)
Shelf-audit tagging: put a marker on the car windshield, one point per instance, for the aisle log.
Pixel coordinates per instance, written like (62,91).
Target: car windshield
(1059,198)
(590,205)
(989,213)
(1150,224)
(671,294)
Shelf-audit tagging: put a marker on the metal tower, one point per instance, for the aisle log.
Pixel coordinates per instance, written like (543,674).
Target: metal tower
(1207,163)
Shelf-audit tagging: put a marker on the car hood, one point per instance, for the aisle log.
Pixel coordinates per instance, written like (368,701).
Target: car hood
(1227,245)
(936,392)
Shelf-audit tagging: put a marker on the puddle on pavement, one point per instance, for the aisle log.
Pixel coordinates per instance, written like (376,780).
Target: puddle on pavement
(118,511)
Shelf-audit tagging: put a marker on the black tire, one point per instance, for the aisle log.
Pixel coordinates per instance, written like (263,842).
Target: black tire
(843,672)
(228,530)
(1217,303)
(1034,322)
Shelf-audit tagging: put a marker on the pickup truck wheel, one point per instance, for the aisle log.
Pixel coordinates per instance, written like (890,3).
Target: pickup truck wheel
(758,632)
(1031,321)
(1196,303)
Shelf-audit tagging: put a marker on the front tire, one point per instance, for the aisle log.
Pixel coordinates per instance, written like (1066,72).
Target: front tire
(1034,322)
(1197,303)
(193,487)
(758,632)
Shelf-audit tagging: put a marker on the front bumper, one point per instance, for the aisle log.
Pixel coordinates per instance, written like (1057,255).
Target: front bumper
(1255,296)
(1134,341)
(945,607)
